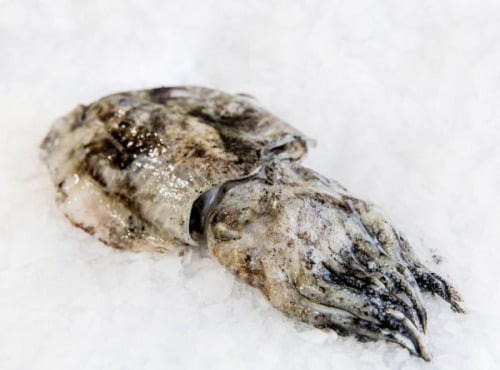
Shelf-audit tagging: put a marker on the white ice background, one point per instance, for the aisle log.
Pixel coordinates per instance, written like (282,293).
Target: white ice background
(403,98)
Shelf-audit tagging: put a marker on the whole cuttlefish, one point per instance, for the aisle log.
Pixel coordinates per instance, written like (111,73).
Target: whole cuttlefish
(173,168)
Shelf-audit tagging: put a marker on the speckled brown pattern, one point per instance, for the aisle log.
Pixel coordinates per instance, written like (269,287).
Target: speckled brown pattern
(156,151)
(169,168)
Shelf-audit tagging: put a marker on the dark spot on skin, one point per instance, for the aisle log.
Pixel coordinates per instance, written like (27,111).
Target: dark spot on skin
(160,95)
(121,148)
(157,122)
(360,255)
(199,152)
(78,122)
(304,235)
(246,120)
(347,280)
(245,151)
(269,175)
(309,263)
(107,150)
(200,113)
(97,176)
(103,111)
(134,139)
(88,229)
(128,202)
(432,282)
(325,200)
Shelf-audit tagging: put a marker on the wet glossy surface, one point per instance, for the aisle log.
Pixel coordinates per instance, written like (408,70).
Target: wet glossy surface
(168,168)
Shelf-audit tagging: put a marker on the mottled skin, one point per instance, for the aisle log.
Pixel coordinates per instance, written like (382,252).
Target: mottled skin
(324,256)
(154,152)
(169,168)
